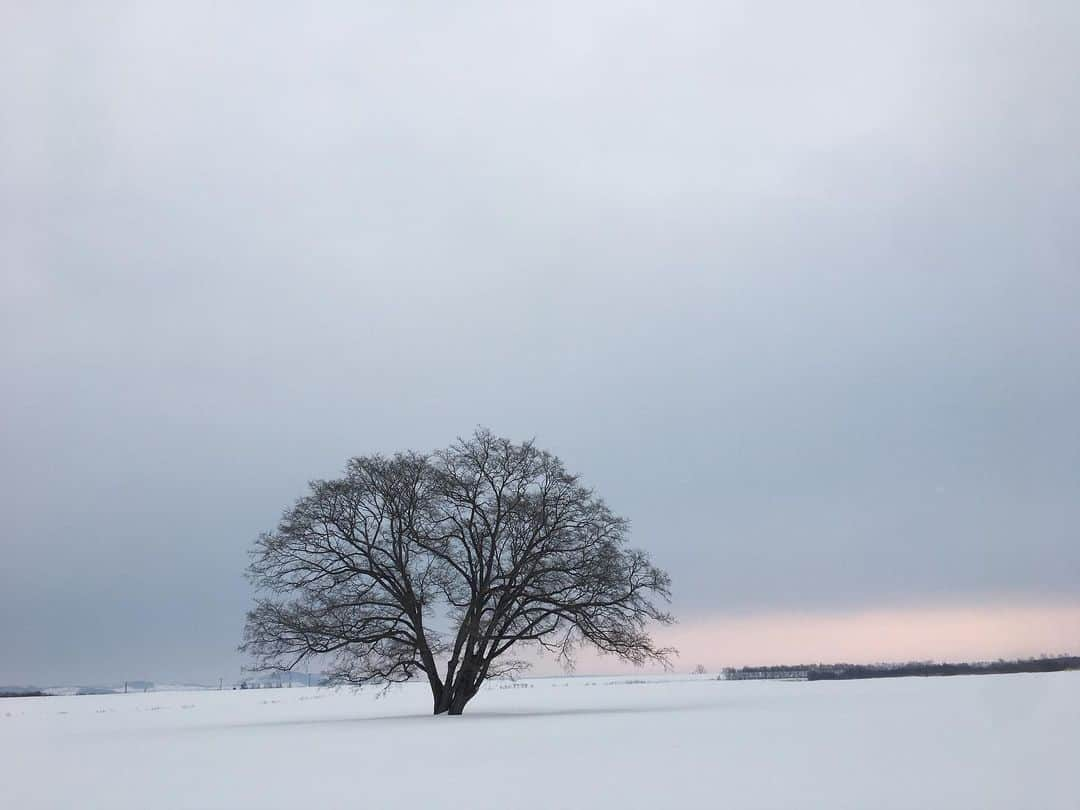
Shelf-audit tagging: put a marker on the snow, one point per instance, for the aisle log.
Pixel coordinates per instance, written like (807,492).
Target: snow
(1006,741)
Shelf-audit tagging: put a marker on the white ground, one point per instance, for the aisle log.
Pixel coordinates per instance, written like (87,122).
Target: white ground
(1002,741)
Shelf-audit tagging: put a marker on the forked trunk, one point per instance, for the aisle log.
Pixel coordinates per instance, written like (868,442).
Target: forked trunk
(452,698)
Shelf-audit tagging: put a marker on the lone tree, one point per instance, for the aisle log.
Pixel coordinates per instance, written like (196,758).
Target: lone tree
(440,564)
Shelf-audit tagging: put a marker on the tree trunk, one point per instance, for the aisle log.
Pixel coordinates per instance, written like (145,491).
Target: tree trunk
(457,705)
(438,698)
(455,694)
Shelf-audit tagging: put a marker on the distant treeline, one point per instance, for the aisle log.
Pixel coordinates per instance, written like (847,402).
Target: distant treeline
(844,672)
(8,692)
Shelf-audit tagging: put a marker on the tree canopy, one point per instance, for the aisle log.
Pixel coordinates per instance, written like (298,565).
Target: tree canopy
(440,565)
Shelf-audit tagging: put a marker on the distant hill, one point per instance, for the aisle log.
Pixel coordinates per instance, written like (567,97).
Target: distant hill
(276,679)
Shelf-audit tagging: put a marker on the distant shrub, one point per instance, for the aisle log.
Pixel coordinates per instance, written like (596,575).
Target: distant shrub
(845,672)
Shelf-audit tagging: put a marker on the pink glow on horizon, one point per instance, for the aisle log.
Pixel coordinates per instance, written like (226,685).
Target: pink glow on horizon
(944,633)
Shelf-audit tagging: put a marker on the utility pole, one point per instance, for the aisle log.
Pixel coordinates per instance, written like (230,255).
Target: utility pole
(220,683)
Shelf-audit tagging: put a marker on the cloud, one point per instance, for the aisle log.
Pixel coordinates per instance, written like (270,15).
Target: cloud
(794,288)
(944,632)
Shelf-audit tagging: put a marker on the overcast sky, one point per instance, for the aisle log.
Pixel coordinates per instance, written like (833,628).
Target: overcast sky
(796,287)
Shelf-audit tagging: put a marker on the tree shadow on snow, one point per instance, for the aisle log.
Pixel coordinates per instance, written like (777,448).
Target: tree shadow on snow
(480,715)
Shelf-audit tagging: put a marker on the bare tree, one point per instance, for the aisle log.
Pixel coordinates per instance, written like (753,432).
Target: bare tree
(438,566)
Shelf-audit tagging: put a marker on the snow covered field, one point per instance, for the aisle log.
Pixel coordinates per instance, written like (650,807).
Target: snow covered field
(1005,741)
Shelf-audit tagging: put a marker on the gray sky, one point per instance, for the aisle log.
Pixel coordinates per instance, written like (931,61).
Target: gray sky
(796,287)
